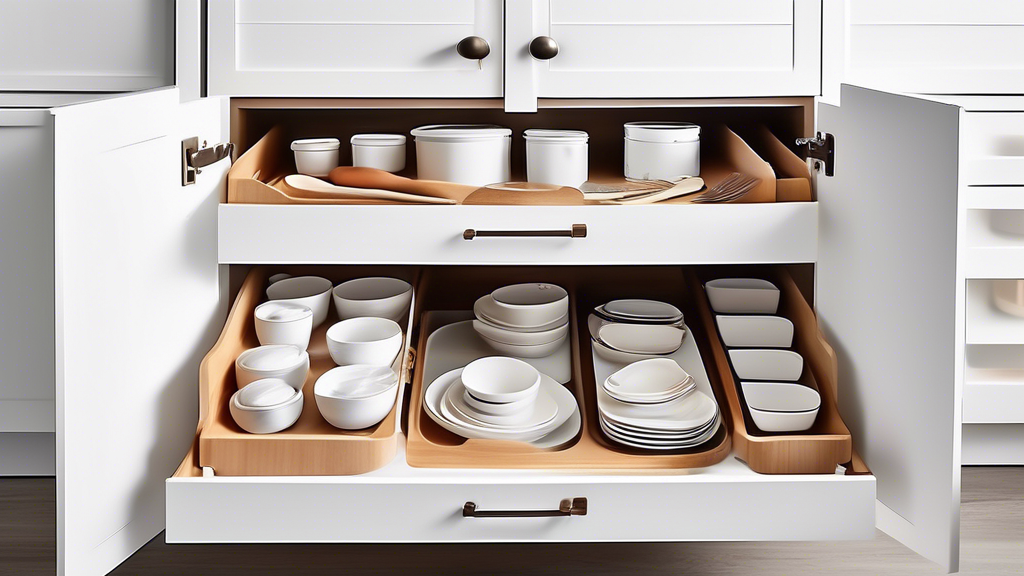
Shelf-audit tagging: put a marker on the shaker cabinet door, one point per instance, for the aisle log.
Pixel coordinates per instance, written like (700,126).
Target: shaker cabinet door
(139,300)
(355,48)
(890,300)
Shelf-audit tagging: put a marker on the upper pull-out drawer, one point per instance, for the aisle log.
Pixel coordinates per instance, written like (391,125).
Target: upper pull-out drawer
(994,148)
(385,48)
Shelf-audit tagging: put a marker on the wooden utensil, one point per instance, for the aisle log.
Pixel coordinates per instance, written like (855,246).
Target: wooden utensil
(362,177)
(526,194)
(687,186)
(315,188)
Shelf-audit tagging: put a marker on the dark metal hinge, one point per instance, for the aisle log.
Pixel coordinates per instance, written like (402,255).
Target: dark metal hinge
(821,149)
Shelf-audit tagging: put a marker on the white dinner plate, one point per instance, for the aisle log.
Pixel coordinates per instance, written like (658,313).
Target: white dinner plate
(635,308)
(641,434)
(656,445)
(678,393)
(564,433)
(686,413)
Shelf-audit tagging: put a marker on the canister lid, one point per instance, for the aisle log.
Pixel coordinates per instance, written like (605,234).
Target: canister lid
(662,131)
(316,144)
(460,132)
(545,135)
(378,140)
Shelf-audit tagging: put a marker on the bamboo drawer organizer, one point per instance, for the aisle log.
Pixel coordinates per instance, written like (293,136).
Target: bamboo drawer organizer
(828,442)
(431,446)
(311,446)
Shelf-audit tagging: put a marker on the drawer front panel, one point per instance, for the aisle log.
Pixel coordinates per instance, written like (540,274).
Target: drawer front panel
(994,148)
(419,510)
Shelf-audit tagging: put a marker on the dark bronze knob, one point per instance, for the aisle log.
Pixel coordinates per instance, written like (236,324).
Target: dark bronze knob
(543,48)
(473,48)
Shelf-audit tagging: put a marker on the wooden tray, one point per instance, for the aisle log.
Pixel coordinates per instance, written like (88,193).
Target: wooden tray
(431,446)
(828,443)
(311,446)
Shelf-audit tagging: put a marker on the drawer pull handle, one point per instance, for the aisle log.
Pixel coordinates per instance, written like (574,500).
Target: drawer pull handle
(567,507)
(473,48)
(543,48)
(576,231)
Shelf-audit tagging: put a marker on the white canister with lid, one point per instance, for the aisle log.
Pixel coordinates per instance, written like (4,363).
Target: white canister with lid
(662,150)
(316,156)
(381,151)
(556,156)
(474,154)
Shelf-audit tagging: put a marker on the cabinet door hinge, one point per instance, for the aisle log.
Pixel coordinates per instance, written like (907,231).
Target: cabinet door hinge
(821,149)
(194,158)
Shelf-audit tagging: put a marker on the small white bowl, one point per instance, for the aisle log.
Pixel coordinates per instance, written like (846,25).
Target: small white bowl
(316,156)
(506,336)
(501,379)
(283,323)
(289,363)
(497,408)
(755,331)
(781,406)
(530,304)
(365,340)
(743,296)
(376,296)
(538,351)
(265,393)
(266,419)
(766,364)
(311,291)
(278,278)
(357,396)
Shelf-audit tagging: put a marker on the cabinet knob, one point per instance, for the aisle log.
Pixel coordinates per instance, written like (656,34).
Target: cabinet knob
(543,48)
(473,48)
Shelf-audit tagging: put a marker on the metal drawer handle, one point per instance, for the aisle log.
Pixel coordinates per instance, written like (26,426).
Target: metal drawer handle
(576,231)
(567,507)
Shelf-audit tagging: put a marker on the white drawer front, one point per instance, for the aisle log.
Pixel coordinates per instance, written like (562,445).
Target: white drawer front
(994,148)
(385,48)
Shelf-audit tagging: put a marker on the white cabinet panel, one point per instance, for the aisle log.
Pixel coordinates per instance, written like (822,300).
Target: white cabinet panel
(389,48)
(994,146)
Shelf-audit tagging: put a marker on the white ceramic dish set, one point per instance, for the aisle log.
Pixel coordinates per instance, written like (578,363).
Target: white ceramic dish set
(757,342)
(364,344)
(528,320)
(629,330)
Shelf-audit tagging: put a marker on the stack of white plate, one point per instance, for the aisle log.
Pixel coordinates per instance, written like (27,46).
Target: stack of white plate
(524,320)
(654,404)
(503,398)
(625,331)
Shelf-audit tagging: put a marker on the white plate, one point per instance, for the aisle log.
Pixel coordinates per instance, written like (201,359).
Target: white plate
(564,433)
(506,336)
(654,377)
(647,445)
(686,413)
(487,309)
(642,309)
(514,351)
(699,436)
(755,331)
(658,435)
(638,338)
(681,391)
(614,356)
(542,411)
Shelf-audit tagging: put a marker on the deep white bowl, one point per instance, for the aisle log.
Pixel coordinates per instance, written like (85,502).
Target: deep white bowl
(755,331)
(507,336)
(766,364)
(283,323)
(347,401)
(742,296)
(266,419)
(485,308)
(529,304)
(501,379)
(311,291)
(365,340)
(641,338)
(376,296)
(781,406)
(289,363)
(538,351)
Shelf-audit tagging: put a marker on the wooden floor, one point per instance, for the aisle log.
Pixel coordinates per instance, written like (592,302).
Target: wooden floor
(992,544)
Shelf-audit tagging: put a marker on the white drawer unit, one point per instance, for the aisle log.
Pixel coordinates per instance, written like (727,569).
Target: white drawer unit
(994,148)
(141,282)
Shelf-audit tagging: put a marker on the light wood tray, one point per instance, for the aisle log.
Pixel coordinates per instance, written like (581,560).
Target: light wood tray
(311,446)
(431,446)
(828,443)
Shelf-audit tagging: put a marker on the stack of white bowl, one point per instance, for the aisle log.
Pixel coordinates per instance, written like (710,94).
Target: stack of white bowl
(653,404)
(269,380)
(502,398)
(524,320)
(625,331)
(757,341)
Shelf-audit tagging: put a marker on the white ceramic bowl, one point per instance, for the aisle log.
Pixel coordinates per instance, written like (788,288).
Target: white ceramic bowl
(538,351)
(266,419)
(641,338)
(641,310)
(507,336)
(781,406)
(365,340)
(766,364)
(501,379)
(278,278)
(376,296)
(530,304)
(755,331)
(316,156)
(265,393)
(654,377)
(289,363)
(486,309)
(311,291)
(355,397)
(743,296)
(283,323)
(497,408)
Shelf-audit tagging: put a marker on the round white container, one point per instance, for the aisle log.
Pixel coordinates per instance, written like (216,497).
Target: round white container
(556,157)
(316,156)
(381,151)
(474,154)
(662,150)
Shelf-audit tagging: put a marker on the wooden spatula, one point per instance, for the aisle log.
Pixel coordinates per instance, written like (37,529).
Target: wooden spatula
(361,177)
(311,187)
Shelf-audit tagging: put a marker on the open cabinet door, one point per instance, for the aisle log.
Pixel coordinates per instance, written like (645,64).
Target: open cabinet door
(889,299)
(139,300)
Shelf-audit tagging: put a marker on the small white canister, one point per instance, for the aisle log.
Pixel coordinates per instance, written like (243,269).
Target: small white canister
(475,154)
(662,150)
(556,156)
(381,151)
(316,156)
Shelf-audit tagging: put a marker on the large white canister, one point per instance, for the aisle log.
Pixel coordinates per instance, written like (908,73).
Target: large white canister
(662,150)
(556,156)
(475,154)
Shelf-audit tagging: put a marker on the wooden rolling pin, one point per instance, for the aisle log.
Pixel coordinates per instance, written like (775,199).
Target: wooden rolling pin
(361,177)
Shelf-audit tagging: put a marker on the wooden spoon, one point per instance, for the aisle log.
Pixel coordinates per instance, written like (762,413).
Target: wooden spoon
(362,177)
(316,188)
